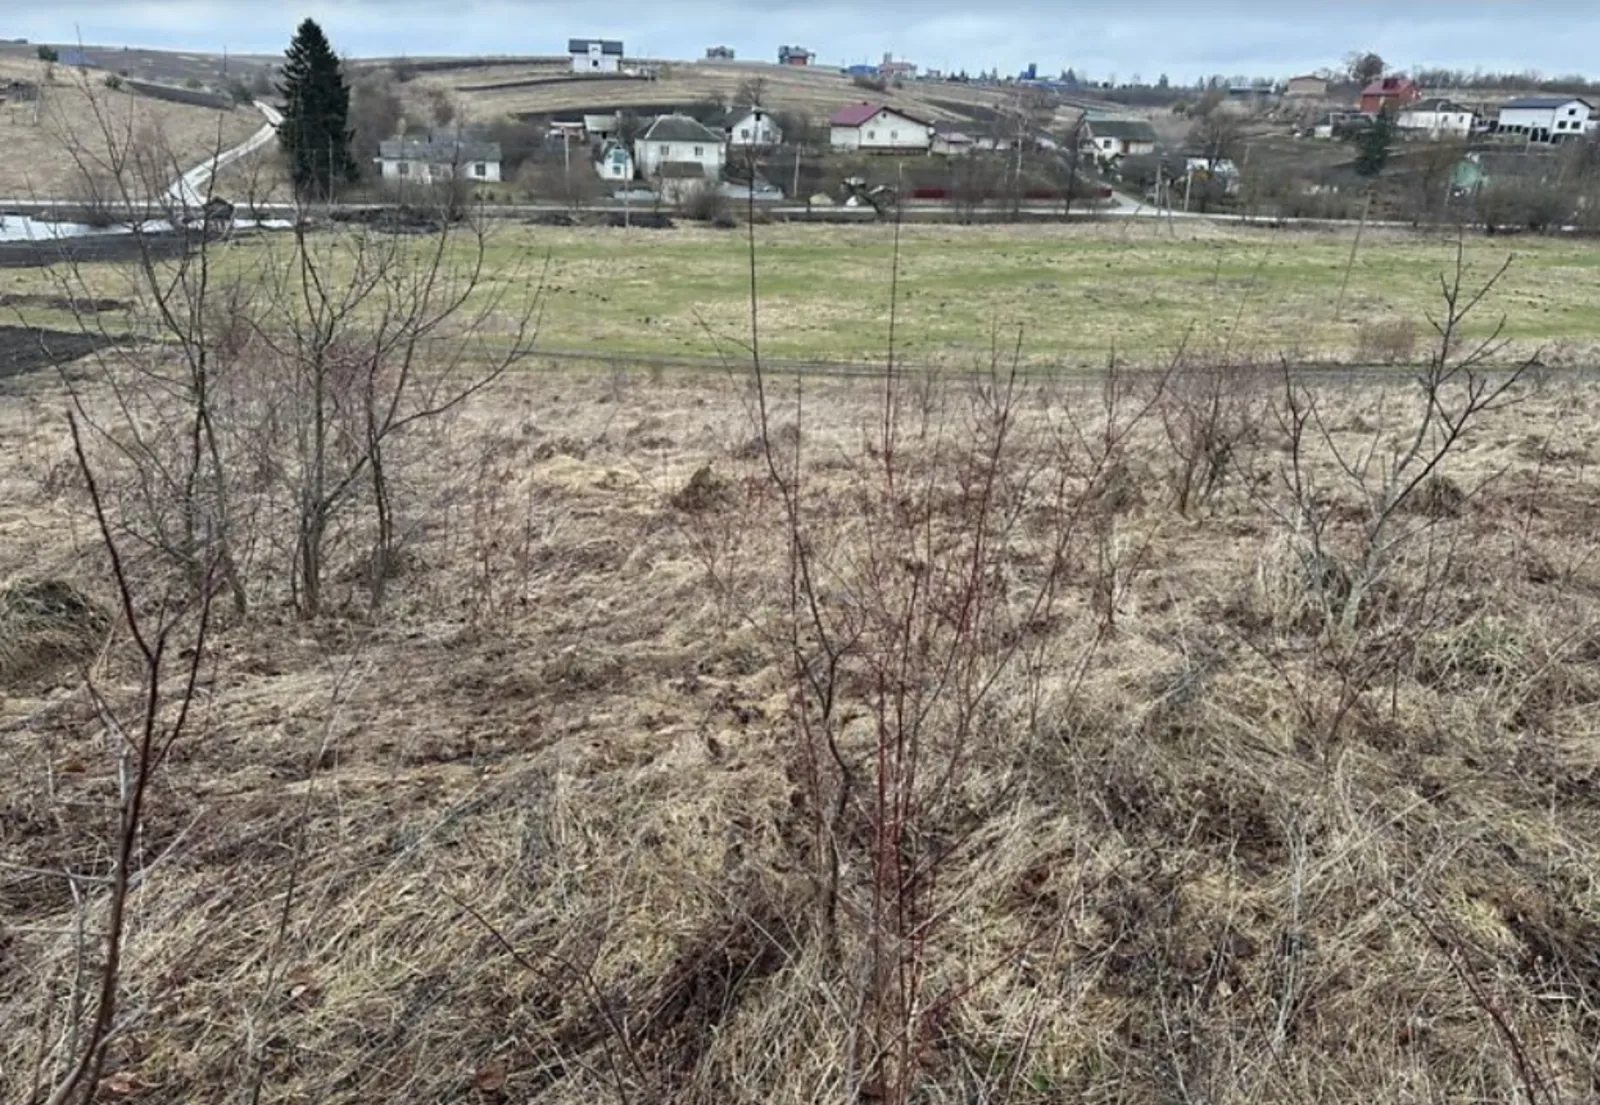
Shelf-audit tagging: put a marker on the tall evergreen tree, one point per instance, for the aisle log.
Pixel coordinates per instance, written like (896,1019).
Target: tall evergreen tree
(1374,144)
(315,132)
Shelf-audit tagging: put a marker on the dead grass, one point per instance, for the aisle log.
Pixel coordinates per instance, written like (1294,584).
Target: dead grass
(817,93)
(39,162)
(539,832)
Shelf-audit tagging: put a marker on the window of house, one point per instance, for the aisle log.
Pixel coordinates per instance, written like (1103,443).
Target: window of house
(872,136)
(405,168)
(893,135)
(663,150)
(699,151)
(480,170)
(744,132)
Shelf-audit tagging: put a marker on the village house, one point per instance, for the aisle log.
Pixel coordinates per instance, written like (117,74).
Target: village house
(1547,119)
(1437,118)
(599,127)
(752,128)
(428,159)
(677,140)
(874,127)
(615,163)
(795,55)
(1113,138)
(595,55)
(720,53)
(950,140)
(1306,88)
(1389,94)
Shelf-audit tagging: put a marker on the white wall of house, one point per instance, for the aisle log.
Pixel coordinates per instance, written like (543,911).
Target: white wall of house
(887,130)
(754,129)
(1437,124)
(596,60)
(1107,148)
(651,155)
(615,164)
(1571,119)
(480,172)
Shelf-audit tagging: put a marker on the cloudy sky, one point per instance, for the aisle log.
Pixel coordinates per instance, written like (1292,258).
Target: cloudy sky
(1102,38)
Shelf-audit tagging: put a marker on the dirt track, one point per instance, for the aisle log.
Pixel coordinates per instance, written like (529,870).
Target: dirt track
(27,348)
(95,248)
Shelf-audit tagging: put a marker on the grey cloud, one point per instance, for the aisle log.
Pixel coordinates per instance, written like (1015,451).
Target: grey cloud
(1101,37)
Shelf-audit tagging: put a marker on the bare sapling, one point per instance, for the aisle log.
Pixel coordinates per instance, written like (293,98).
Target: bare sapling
(165,365)
(1364,625)
(903,608)
(169,638)
(251,399)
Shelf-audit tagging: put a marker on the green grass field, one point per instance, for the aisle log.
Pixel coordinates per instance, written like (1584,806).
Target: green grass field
(1073,294)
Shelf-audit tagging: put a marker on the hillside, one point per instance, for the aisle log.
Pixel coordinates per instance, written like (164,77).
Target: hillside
(54,143)
(545,88)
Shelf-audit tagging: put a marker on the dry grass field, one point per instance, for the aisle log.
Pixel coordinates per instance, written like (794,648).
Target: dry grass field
(50,147)
(1133,738)
(526,89)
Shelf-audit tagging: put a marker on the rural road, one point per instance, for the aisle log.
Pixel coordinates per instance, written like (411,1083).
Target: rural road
(192,189)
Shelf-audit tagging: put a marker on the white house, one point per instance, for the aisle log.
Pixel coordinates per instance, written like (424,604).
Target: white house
(951,141)
(429,159)
(595,55)
(1548,118)
(1113,138)
(748,128)
(875,127)
(1437,118)
(678,140)
(614,162)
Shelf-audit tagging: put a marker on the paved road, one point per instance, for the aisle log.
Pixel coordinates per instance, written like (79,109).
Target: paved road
(192,189)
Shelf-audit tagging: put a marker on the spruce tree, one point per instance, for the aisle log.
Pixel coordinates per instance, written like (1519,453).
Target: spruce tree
(315,133)
(1373,145)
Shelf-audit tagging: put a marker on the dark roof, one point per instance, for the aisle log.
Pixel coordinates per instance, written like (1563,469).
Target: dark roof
(680,128)
(1440,105)
(860,114)
(681,170)
(1543,102)
(607,45)
(1130,130)
(438,151)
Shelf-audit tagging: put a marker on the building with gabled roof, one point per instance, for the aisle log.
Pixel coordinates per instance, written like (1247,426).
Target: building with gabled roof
(878,127)
(1547,119)
(679,140)
(595,55)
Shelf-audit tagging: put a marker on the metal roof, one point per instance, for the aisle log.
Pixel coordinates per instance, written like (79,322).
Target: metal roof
(1132,130)
(1542,103)
(607,45)
(680,128)
(438,151)
(860,114)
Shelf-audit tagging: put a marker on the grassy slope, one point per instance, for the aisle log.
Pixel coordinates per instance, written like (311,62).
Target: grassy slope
(817,93)
(1076,293)
(1165,884)
(39,156)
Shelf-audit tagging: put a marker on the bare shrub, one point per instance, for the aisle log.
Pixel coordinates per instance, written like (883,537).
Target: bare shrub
(1387,341)
(1208,413)
(705,203)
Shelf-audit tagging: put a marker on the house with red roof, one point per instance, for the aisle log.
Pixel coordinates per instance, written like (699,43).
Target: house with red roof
(1389,94)
(881,129)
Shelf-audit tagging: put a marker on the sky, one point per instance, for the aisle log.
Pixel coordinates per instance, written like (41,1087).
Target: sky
(1102,39)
